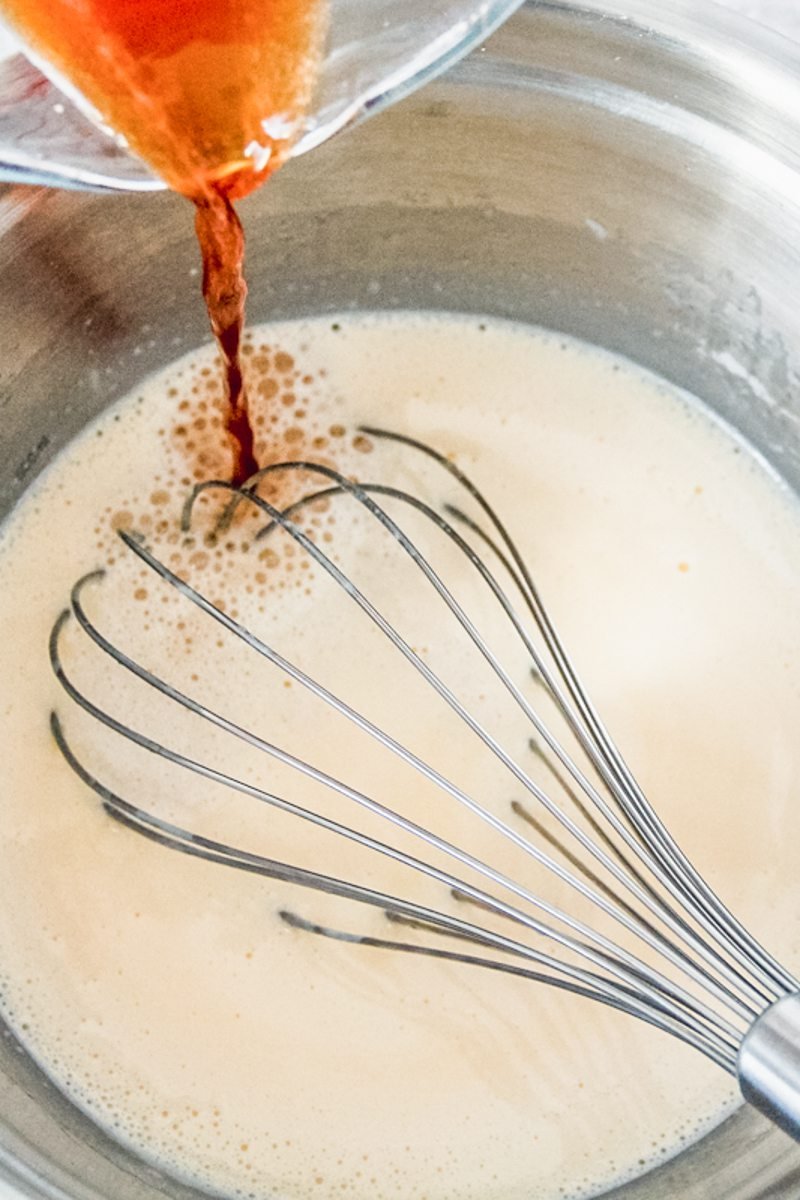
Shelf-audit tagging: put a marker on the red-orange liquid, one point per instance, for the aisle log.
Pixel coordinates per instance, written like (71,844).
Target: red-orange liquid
(190,85)
(221,238)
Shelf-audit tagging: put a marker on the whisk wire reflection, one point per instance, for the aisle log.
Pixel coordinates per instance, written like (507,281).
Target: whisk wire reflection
(707,946)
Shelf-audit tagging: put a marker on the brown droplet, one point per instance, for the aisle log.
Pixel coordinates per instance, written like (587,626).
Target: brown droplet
(268,388)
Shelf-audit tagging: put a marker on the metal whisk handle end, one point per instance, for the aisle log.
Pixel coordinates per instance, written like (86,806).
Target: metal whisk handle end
(769,1064)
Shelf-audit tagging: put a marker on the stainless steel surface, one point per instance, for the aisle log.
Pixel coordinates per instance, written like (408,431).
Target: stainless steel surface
(769,1064)
(632,181)
(723,993)
(779,14)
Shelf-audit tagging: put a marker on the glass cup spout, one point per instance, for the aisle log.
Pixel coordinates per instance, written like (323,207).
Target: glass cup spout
(376,52)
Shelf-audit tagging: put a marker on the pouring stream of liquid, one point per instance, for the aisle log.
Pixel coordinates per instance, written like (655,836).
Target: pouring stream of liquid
(211,94)
(221,238)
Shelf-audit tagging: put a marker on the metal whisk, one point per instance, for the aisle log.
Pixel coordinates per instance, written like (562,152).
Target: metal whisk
(700,975)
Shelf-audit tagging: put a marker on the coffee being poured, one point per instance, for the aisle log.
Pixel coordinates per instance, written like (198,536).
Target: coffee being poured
(210,93)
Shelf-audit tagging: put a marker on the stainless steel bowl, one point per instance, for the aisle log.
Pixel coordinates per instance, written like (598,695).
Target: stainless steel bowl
(630,177)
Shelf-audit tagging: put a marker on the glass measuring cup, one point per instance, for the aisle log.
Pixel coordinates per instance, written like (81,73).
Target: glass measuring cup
(377,52)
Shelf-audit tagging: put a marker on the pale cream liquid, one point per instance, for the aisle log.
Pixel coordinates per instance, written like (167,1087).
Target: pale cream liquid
(164,994)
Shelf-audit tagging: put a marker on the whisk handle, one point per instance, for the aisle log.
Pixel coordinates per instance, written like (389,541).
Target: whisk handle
(769,1064)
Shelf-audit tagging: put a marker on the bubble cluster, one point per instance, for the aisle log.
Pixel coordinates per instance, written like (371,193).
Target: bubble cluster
(289,413)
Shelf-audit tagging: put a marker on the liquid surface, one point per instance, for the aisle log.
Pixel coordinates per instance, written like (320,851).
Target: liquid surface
(165,994)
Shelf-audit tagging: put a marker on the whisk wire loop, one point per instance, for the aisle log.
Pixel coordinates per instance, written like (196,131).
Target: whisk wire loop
(648,1006)
(364,494)
(596,948)
(655,893)
(693,888)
